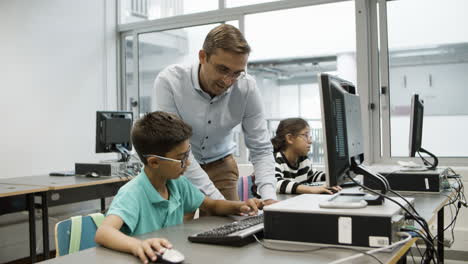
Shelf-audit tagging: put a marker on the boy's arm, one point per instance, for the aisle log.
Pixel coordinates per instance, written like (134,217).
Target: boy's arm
(225,207)
(109,235)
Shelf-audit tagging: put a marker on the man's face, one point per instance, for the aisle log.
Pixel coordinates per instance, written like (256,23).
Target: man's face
(221,70)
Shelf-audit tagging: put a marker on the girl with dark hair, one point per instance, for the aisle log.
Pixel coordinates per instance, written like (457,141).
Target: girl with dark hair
(293,169)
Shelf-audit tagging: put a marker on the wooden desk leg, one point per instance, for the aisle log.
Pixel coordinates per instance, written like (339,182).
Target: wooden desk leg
(440,234)
(32,227)
(45,225)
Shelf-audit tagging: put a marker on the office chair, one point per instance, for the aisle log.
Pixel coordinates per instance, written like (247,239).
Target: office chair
(76,233)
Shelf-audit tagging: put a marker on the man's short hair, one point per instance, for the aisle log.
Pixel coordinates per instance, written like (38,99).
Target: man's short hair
(227,38)
(158,133)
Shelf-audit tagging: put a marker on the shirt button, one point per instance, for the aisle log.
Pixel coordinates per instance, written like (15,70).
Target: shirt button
(209,121)
(211,102)
(203,148)
(206,137)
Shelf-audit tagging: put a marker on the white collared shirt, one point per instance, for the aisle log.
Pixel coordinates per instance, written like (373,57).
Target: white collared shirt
(178,91)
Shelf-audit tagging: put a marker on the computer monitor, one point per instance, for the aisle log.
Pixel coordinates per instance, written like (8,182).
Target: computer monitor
(113,132)
(342,130)
(416,128)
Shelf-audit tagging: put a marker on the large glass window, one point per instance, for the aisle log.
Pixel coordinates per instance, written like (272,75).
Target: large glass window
(293,47)
(141,10)
(428,55)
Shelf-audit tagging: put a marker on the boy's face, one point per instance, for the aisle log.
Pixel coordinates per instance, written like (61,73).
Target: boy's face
(171,169)
(302,142)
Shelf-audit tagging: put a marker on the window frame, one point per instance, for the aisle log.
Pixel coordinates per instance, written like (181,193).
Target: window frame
(372,66)
(380,118)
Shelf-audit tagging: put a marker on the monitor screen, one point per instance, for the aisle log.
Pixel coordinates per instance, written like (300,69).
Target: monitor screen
(342,129)
(416,124)
(113,131)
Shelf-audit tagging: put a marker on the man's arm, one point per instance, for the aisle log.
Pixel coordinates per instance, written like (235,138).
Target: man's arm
(165,102)
(224,207)
(258,141)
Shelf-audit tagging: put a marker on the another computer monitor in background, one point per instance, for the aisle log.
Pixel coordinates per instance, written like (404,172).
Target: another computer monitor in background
(113,132)
(416,128)
(342,130)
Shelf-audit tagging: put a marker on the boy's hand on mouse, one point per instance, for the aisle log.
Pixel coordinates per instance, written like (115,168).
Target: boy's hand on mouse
(251,206)
(146,248)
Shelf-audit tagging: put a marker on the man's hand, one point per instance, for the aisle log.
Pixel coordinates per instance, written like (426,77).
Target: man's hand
(251,206)
(147,248)
(269,201)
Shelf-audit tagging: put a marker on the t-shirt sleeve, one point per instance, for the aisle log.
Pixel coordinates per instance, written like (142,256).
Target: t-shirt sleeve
(125,205)
(192,197)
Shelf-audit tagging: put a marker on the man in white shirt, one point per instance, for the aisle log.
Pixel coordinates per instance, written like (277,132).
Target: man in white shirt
(214,96)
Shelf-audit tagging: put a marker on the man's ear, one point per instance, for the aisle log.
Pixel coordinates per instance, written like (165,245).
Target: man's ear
(153,162)
(289,138)
(202,56)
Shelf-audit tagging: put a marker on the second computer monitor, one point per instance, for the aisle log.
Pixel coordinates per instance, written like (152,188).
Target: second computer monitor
(416,124)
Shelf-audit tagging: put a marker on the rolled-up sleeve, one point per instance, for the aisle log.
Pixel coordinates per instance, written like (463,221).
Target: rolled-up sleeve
(257,139)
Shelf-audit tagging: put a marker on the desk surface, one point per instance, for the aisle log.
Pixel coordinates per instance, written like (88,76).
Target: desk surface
(426,204)
(60,182)
(202,253)
(7,190)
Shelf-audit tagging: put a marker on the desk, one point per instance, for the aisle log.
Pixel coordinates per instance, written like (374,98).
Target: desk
(17,198)
(427,204)
(65,190)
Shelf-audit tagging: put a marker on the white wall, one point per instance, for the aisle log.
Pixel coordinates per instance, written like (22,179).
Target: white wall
(57,67)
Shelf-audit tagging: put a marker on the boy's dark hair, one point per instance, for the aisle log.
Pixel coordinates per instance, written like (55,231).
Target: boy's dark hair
(158,133)
(287,126)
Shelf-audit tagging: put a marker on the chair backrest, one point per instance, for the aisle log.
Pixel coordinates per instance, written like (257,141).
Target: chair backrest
(76,233)
(244,187)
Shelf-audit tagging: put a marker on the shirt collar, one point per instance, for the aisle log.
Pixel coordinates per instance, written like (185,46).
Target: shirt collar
(196,82)
(154,196)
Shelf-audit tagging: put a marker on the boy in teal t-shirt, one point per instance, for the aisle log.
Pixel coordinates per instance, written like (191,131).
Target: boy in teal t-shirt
(159,197)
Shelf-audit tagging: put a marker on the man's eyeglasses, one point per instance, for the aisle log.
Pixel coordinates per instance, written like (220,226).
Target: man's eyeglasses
(227,74)
(183,161)
(306,136)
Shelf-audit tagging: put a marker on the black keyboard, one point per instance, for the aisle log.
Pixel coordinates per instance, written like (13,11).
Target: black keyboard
(237,233)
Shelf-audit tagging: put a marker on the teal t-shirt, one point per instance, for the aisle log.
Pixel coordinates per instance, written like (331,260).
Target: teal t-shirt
(143,210)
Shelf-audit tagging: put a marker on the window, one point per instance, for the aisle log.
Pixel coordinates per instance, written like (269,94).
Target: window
(293,47)
(142,10)
(428,55)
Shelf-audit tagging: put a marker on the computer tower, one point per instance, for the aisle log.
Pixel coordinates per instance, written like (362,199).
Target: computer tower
(301,220)
(411,181)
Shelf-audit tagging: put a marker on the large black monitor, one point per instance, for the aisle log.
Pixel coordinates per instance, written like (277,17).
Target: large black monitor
(113,132)
(342,130)
(416,128)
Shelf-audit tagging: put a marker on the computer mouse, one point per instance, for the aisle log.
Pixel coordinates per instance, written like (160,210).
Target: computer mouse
(170,256)
(92,174)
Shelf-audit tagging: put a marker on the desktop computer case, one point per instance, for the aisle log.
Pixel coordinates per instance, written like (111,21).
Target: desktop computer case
(410,181)
(301,220)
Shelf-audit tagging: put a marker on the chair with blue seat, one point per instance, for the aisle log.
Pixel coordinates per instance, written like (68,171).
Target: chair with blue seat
(76,233)
(246,187)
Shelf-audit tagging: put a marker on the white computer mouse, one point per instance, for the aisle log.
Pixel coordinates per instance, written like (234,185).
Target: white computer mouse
(170,256)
